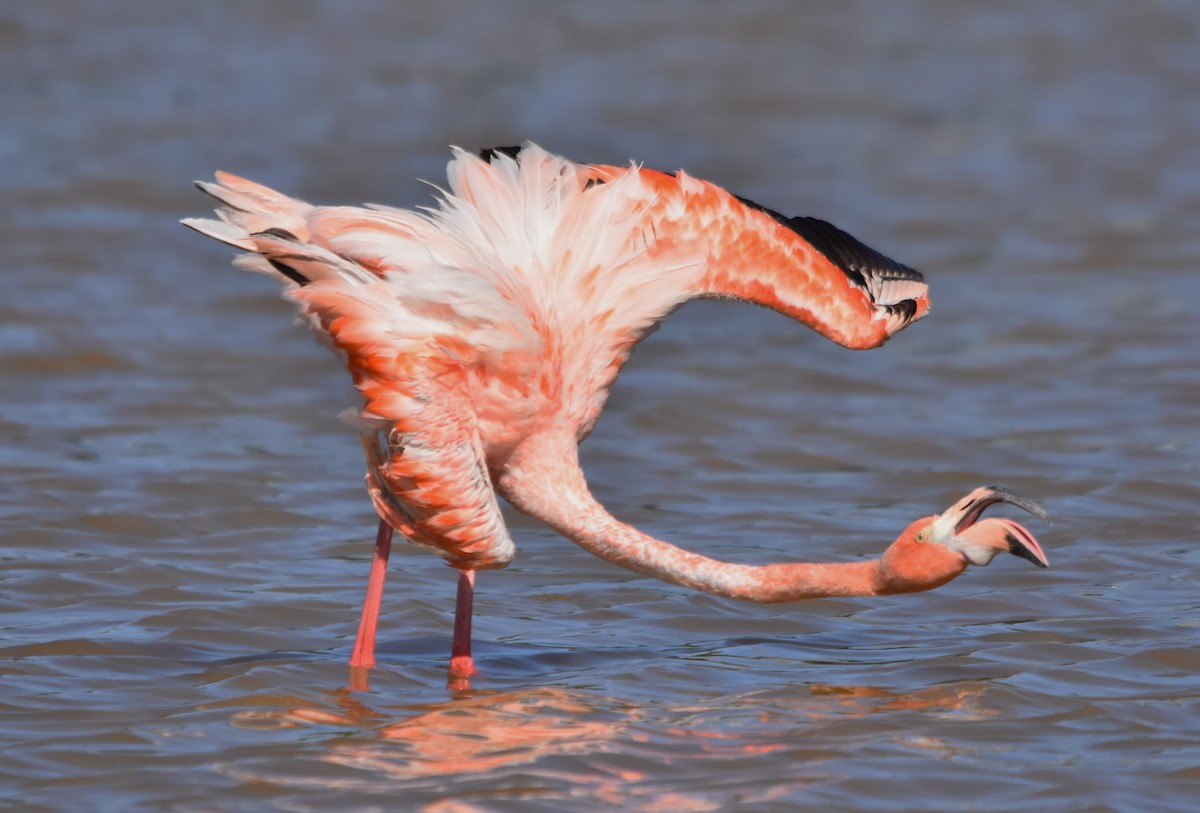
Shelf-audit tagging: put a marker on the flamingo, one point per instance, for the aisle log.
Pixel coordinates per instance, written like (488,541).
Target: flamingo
(483,335)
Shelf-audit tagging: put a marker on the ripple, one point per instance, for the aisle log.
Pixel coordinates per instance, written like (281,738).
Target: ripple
(184,538)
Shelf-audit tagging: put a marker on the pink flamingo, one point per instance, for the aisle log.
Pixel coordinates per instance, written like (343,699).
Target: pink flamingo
(484,336)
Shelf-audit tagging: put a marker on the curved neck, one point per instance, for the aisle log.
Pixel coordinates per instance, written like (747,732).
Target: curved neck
(545,481)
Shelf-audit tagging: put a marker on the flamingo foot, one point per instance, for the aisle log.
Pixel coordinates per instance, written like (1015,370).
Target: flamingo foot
(463,666)
(458,679)
(363,655)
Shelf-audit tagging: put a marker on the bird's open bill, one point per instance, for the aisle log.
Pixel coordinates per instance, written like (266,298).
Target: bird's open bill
(960,528)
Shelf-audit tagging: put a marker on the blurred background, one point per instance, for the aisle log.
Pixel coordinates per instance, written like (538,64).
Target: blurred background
(184,536)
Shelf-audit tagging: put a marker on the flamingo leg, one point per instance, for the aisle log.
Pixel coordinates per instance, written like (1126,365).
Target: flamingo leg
(364,645)
(462,665)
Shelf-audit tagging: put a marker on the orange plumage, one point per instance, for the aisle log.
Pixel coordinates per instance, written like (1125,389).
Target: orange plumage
(484,334)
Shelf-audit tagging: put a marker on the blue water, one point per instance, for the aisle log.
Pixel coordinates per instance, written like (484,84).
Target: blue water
(184,536)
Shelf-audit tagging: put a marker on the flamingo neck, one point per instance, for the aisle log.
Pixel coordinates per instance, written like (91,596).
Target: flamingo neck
(545,481)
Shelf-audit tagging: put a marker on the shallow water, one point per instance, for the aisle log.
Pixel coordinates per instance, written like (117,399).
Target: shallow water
(183,530)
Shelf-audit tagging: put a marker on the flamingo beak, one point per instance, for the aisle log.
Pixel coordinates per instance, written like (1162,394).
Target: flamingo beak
(961,529)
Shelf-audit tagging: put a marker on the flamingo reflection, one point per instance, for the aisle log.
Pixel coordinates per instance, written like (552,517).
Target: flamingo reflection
(564,743)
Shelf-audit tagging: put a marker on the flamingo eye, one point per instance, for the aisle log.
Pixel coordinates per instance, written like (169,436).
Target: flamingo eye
(922,535)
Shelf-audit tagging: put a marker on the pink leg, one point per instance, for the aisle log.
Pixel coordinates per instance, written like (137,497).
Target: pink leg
(364,644)
(462,665)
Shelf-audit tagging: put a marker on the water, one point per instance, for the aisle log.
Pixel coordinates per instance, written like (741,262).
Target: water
(185,537)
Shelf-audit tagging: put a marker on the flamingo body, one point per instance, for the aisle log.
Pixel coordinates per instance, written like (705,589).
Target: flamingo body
(484,334)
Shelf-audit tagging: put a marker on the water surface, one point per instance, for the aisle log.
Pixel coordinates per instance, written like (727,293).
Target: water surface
(185,537)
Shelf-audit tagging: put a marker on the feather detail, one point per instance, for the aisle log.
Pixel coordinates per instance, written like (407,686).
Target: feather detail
(510,306)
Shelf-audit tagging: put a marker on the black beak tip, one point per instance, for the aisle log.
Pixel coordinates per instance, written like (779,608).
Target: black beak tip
(1017,549)
(1001,494)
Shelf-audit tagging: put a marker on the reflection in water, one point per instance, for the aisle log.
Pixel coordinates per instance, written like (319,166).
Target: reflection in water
(618,750)
(485,732)
(471,733)
(869,700)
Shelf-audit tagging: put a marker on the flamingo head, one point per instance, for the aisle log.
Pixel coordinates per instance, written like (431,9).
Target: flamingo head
(935,549)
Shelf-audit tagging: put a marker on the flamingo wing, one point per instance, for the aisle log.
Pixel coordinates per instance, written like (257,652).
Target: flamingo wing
(422,342)
(427,468)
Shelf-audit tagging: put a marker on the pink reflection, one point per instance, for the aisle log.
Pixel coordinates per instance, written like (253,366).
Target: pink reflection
(625,756)
(863,700)
(469,734)
(487,731)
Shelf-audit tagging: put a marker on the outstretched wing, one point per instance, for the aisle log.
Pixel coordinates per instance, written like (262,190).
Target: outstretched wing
(421,342)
